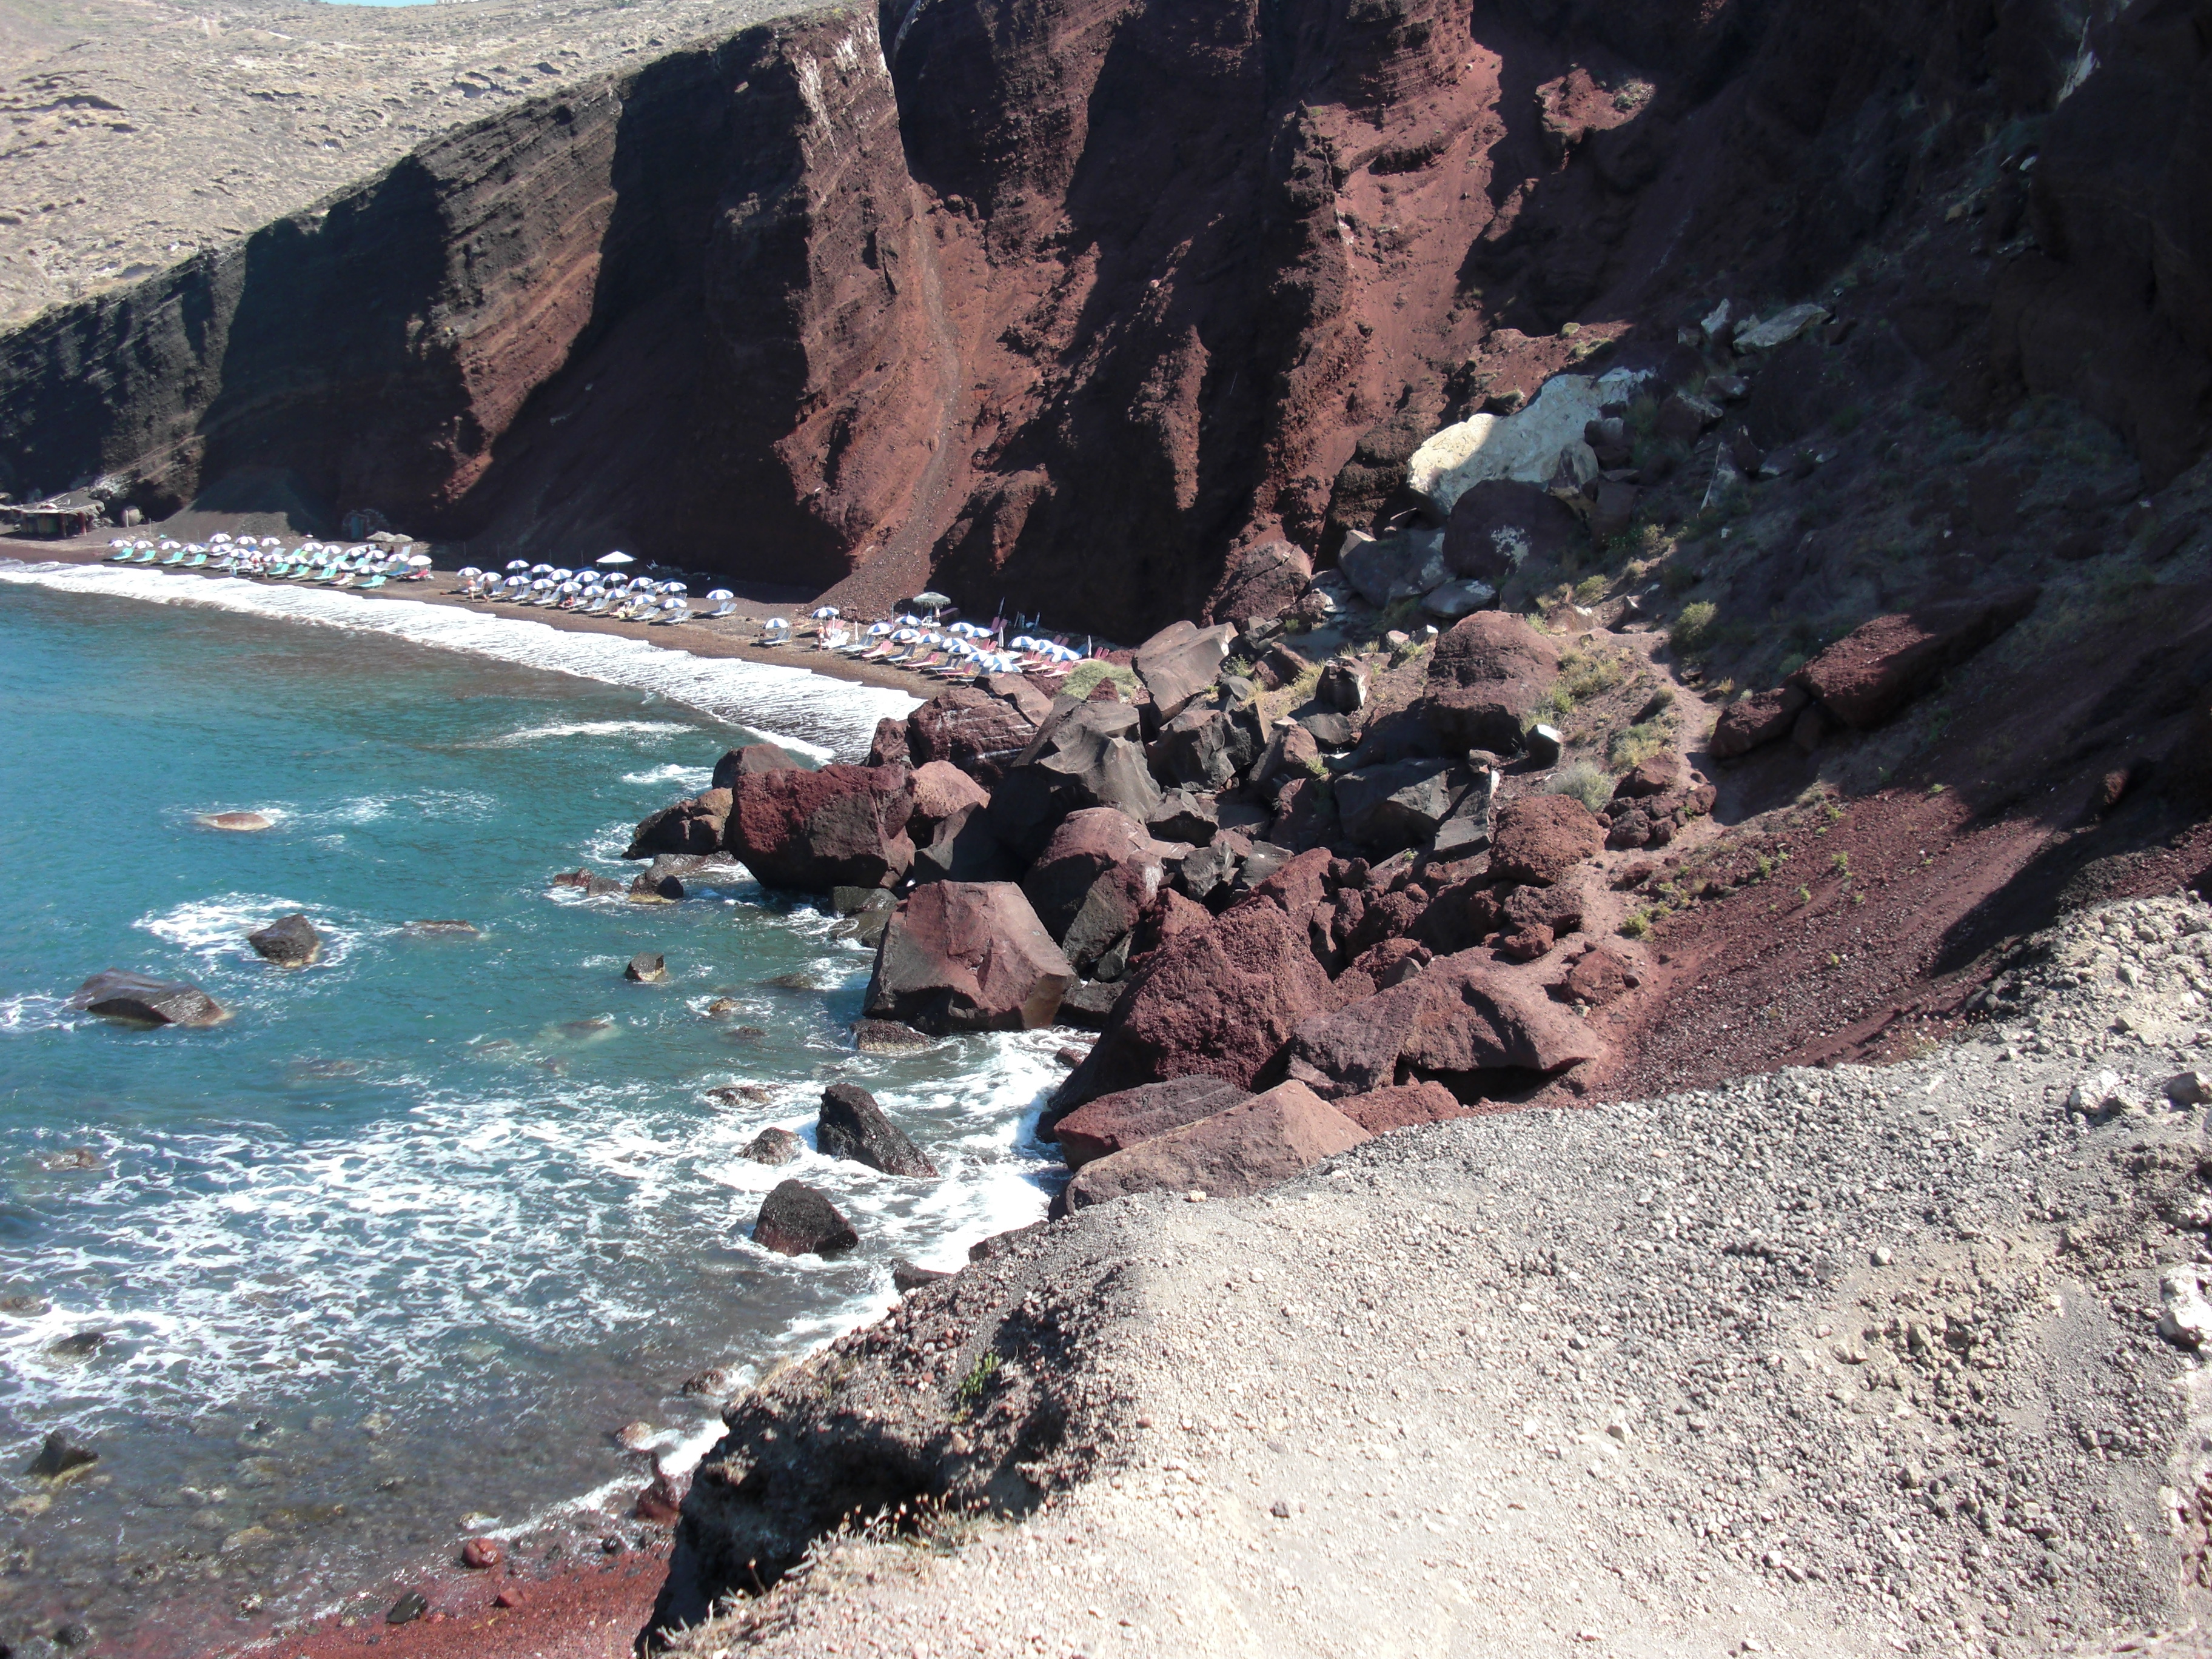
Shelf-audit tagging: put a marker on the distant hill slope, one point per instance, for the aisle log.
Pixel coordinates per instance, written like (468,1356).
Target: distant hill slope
(134,133)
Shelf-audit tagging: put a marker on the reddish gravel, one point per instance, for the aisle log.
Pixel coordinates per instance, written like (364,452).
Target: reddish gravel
(586,1612)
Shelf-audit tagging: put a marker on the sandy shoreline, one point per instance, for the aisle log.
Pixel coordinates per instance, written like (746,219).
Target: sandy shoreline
(702,638)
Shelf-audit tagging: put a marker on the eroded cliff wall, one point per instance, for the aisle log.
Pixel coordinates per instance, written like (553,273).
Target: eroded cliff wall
(1062,300)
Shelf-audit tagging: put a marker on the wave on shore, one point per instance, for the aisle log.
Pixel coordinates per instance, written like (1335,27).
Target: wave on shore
(826,718)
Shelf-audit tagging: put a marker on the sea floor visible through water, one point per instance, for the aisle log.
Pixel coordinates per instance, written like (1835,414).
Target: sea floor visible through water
(382,1261)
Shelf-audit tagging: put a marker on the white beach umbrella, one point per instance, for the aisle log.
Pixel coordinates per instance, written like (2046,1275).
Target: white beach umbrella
(776,622)
(468,572)
(615,558)
(518,564)
(220,536)
(825,613)
(719,594)
(420,561)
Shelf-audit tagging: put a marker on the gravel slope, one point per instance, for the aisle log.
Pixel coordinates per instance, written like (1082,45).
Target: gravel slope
(1855,1360)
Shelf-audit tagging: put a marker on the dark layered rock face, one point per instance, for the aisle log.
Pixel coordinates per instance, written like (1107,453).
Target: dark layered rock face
(1078,305)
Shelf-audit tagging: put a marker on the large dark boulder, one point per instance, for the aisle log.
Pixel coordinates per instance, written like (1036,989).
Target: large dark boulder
(1180,663)
(1460,1016)
(751,761)
(290,942)
(1386,809)
(1093,880)
(1245,1148)
(1086,755)
(1207,748)
(843,826)
(968,957)
(693,826)
(1265,581)
(1489,676)
(140,1000)
(1115,1122)
(1750,722)
(797,1220)
(973,729)
(853,1126)
(966,848)
(1501,524)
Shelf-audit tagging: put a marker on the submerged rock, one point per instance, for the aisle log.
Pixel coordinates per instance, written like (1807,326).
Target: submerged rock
(239,822)
(290,942)
(647,969)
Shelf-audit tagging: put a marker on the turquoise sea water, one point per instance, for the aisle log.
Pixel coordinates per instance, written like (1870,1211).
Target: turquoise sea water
(383,1259)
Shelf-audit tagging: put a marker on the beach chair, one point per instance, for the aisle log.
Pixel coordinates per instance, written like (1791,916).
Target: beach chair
(373,582)
(122,553)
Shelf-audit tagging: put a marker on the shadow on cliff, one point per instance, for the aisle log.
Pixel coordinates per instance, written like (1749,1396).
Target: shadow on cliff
(326,367)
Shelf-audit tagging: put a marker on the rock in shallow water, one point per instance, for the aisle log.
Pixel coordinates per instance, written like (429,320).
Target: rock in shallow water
(797,1220)
(140,1000)
(772,1147)
(852,1126)
(59,1455)
(290,942)
(237,822)
(646,968)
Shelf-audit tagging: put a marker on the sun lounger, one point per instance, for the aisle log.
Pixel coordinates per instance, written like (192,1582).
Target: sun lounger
(373,582)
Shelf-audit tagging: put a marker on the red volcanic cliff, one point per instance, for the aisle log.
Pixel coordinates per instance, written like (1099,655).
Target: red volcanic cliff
(1062,300)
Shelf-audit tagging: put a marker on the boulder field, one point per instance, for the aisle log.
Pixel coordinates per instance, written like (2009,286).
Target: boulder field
(1383,933)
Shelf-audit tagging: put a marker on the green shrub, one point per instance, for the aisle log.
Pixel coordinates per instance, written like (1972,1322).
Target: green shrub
(1637,745)
(1087,676)
(1638,925)
(1589,590)
(1586,783)
(1693,629)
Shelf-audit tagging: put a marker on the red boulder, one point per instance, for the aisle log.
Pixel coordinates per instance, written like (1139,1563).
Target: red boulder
(1461,1015)
(1381,1110)
(1486,680)
(1867,676)
(1245,1148)
(1116,1122)
(843,826)
(974,730)
(1220,999)
(963,956)
(1093,880)
(1540,838)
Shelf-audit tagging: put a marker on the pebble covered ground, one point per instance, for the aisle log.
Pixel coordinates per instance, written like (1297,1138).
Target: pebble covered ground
(1847,1360)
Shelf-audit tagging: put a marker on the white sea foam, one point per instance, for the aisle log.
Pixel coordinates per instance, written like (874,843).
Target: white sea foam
(687,777)
(584,729)
(225,1263)
(811,713)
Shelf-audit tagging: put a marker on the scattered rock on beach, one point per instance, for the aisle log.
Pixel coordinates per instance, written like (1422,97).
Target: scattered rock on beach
(478,1554)
(645,968)
(907,1276)
(797,1220)
(407,1608)
(853,1126)
(140,999)
(290,942)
